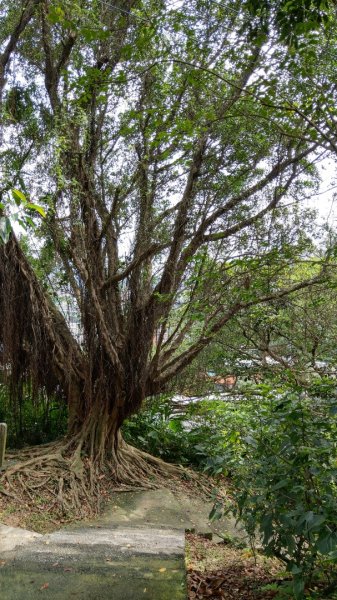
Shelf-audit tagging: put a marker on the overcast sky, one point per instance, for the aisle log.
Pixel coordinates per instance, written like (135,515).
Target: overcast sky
(326,201)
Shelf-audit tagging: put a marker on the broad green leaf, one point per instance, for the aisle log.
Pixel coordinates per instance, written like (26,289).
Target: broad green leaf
(298,587)
(327,544)
(280,484)
(37,208)
(5,229)
(19,196)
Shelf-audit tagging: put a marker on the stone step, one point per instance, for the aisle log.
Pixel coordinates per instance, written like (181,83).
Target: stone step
(136,550)
(90,578)
(84,541)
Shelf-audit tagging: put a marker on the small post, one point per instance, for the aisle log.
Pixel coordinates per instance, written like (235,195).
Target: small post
(3,438)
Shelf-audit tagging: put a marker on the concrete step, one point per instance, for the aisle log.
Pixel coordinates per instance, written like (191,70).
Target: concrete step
(59,577)
(113,558)
(134,551)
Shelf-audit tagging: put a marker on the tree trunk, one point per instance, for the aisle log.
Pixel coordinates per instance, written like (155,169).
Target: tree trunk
(97,430)
(100,395)
(98,437)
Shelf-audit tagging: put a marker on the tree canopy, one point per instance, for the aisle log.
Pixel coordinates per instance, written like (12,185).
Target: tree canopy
(169,149)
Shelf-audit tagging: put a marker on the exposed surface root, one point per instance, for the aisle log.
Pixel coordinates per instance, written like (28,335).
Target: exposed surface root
(61,482)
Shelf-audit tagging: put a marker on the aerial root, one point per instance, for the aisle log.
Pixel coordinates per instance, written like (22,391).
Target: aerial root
(137,468)
(48,479)
(62,480)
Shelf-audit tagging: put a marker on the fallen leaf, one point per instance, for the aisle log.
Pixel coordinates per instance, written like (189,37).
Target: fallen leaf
(45,586)
(162,570)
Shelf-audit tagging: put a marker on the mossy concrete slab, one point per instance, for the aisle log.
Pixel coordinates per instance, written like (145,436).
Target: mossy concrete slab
(97,564)
(162,508)
(100,541)
(13,537)
(197,511)
(135,550)
(109,559)
(155,578)
(158,508)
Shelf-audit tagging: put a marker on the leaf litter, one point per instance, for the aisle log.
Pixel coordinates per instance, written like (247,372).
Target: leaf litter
(221,570)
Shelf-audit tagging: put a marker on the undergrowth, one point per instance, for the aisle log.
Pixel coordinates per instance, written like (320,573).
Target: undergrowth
(278,448)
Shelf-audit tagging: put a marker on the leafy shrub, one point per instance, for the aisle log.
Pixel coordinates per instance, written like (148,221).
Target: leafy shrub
(205,436)
(279,446)
(286,478)
(160,431)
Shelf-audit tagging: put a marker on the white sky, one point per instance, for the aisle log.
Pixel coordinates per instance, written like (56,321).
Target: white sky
(325,202)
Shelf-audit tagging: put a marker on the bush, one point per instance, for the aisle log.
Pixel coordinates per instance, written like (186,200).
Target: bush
(206,436)
(160,431)
(280,449)
(286,477)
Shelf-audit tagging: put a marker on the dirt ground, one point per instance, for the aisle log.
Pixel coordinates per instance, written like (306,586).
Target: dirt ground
(223,570)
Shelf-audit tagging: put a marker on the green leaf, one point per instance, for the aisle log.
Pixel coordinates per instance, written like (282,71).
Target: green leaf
(19,196)
(216,512)
(280,484)
(37,208)
(327,544)
(250,440)
(298,586)
(5,229)
(267,528)
(296,570)
(175,425)
(315,521)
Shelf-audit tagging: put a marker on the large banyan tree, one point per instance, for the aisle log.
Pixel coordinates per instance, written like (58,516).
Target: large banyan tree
(167,145)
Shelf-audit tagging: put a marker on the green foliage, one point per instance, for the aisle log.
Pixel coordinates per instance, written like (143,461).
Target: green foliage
(292,18)
(194,438)
(285,479)
(31,419)
(278,446)
(158,430)
(21,216)
(5,229)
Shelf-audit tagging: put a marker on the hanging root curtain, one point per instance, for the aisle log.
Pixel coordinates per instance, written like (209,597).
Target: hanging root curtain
(67,476)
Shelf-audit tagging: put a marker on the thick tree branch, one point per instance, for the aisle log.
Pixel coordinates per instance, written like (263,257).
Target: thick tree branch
(180,362)
(25,17)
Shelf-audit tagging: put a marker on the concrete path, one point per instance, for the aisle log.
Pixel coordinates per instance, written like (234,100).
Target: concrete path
(135,550)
